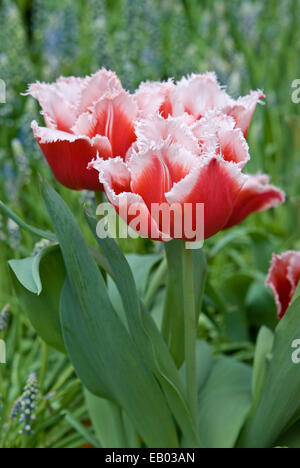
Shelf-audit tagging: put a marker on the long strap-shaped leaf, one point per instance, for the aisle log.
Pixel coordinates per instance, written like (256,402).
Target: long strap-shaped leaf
(100,348)
(33,230)
(279,404)
(123,277)
(146,335)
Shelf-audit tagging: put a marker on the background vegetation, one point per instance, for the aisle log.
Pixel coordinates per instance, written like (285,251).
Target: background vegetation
(250,44)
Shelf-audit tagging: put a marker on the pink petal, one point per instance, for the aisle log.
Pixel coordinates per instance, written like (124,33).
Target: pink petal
(198,94)
(243,109)
(156,170)
(114,176)
(115,173)
(155,130)
(294,270)
(153,97)
(58,101)
(68,156)
(112,117)
(216,184)
(217,132)
(256,195)
(96,87)
(283,278)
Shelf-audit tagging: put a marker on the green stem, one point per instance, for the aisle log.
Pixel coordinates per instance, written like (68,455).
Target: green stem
(190,335)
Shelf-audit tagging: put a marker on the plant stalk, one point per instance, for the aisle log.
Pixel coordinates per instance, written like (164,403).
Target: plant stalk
(190,331)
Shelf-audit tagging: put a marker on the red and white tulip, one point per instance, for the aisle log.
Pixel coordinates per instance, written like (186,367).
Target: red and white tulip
(283,279)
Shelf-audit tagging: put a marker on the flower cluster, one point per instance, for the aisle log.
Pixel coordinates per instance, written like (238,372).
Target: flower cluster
(168,143)
(25,407)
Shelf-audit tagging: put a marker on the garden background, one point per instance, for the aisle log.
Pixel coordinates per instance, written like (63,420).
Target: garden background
(250,45)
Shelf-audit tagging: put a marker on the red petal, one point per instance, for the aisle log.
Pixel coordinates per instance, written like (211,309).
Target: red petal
(153,97)
(294,270)
(112,117)
(68,157)
(58,101)
(218,132)
(256,195)
(155,171)
(243,109)
(128,205)
(198,94)
(155,130)
(214,183)
(96,87)
(115,173)
(283,277)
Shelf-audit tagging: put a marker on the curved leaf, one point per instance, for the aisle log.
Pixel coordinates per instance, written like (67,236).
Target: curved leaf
(224,403)
(93,329)
(33,230)
(38,282)
(279,403)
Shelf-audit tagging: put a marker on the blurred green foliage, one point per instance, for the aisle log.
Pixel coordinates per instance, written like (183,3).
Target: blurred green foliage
(250,44)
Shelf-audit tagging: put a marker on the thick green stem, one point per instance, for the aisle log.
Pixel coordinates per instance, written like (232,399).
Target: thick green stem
(190,335)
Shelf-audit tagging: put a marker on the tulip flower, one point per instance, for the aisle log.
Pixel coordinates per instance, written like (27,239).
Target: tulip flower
(195,96)
(283,279)
(84,117)
(176,164)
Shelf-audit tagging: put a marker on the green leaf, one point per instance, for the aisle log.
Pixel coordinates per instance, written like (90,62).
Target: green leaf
(108,422)
(80,347)
(297,294)
(260,306)
(27,270)
(235,234)
(291,438)
(38,283)
(263,350)
(83,431)
(262,248)
(38,232)
(141,266)
(99,346)
(124,280)
(224,402)
(234,290)
(169,379)
(204,362)
(145,333)
(279,404)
